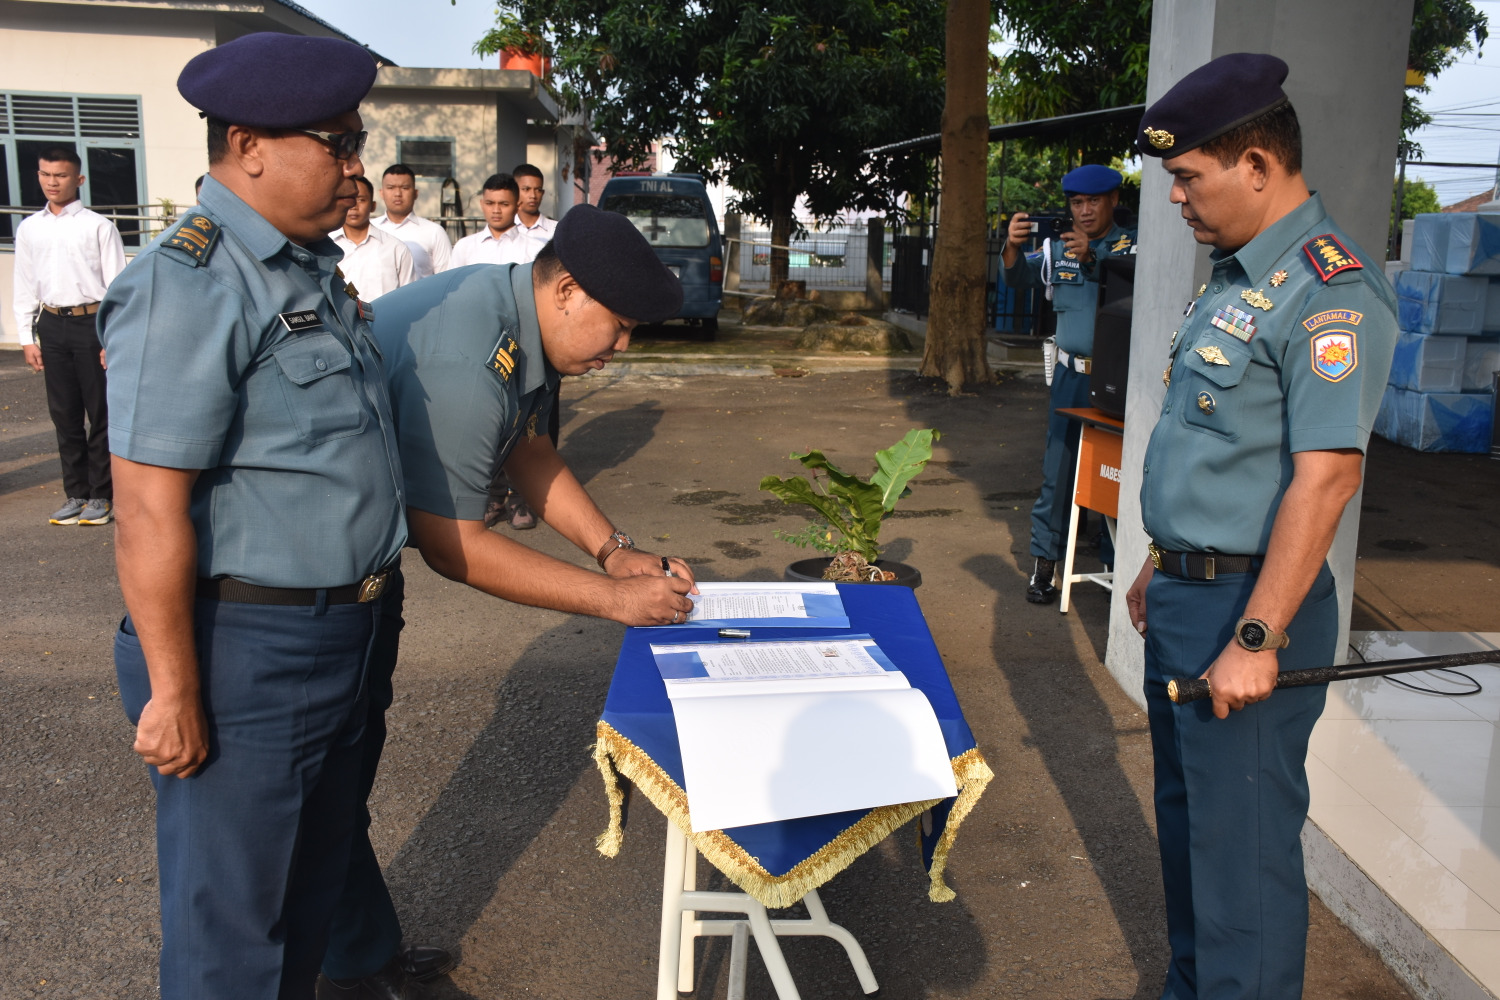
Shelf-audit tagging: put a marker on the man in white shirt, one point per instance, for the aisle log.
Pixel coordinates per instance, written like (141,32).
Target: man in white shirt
(375,262)
(533,227)
(66,256)
(428,242)
(497,242)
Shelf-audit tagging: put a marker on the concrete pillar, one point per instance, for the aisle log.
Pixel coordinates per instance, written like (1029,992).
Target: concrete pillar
(1348,65)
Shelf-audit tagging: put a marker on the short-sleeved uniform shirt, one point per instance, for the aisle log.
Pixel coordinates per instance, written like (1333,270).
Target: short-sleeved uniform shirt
(235,351)
(1286,349)
(1075,286)
(468,379)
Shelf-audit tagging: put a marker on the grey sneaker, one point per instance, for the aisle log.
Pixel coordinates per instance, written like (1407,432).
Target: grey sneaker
(97,512)
(68,512)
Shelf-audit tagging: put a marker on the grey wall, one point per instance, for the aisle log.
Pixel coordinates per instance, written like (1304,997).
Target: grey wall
(1348,66)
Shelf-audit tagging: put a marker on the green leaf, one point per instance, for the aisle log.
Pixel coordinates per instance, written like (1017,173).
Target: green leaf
(901,463)
(799,490)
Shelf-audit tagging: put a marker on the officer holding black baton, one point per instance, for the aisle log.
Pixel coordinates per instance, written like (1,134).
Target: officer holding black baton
(1273,384)
(1066,268)
(261,514)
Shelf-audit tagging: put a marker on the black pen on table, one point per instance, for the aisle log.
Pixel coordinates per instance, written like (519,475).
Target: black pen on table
(666,567)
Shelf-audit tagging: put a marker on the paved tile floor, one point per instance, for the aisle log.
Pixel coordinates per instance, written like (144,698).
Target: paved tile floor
(1407,784)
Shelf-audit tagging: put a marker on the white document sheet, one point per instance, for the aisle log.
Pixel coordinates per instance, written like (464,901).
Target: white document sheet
(759,758)
(768,604)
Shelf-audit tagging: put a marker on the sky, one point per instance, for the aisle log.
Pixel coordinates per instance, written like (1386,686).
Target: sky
(1465,99)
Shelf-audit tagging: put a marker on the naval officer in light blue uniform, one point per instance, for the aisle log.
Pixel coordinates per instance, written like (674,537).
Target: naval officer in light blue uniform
(1273,383)
(260,507)
(474,356)
(1066,268)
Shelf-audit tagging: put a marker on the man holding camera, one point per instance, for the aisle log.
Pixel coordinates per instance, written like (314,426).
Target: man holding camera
(1066,269)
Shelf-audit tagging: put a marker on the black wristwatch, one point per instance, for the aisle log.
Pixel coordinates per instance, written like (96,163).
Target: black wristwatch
(1255,635)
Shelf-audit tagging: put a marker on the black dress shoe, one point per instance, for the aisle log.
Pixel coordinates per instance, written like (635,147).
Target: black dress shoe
(390,983)
(1039,589)
(425,962)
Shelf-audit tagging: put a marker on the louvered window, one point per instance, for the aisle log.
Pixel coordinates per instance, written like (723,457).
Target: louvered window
(105,131)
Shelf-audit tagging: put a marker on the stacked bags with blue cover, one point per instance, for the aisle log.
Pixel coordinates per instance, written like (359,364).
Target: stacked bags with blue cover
(1441,392)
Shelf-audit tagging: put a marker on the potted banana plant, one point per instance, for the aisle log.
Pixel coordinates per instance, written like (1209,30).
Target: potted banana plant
(850,511)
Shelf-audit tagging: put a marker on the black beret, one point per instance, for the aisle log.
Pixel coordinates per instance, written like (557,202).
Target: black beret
(613,263)
(1213,99)
(271,80)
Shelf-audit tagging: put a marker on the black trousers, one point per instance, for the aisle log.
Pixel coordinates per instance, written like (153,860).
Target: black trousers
(75,391)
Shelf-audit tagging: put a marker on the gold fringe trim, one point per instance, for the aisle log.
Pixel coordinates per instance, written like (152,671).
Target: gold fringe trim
(616,755)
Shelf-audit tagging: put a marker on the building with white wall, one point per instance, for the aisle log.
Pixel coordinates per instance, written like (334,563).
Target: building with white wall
(102,75)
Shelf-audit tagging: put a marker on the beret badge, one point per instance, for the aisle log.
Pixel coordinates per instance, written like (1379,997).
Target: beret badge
(1160,138)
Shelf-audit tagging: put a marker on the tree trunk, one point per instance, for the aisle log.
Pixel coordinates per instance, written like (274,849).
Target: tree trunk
(783,200)
(956,326)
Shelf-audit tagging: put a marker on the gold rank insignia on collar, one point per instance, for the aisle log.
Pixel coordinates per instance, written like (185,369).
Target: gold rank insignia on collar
(1166,375)
(351,291)
(1201,289)
(1257,299)
(196,237)
(1212,355)
(1278,279)
(503,361)
(531,427)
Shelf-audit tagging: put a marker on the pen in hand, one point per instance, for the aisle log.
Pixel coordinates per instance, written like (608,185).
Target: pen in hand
(666,567)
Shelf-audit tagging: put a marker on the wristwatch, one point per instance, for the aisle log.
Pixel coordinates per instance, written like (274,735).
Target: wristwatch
(1256,636)
(616,540)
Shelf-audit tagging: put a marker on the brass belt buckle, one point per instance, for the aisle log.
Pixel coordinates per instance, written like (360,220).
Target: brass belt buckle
(1208,567)
(1086,366)
(373,586)
(1155,555)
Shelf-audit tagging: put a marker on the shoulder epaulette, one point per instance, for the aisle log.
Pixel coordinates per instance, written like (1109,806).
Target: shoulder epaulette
(196,237)
(1329,256)
(503,359)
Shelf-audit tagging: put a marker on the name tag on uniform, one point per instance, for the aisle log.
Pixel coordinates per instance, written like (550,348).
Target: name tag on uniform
(297,322)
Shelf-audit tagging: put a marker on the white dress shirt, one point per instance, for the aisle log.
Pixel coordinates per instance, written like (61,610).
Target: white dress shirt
(484,247)
(535,236)
(377,264)
(431,251)
(67,259)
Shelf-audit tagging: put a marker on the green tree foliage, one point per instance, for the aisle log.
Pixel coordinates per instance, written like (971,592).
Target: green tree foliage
(1073,57)
(1417,196)
(777,98)
(1441,31)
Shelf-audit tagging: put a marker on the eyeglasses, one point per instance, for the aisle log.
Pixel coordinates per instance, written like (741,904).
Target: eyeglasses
(344,145)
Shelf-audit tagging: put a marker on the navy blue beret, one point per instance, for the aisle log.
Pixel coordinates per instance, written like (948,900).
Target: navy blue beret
(1213,99)
(613,263)
(271,80)
(1091,178)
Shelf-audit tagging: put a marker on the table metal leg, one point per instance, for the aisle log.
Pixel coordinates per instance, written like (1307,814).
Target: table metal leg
(681,902)
(1070,547)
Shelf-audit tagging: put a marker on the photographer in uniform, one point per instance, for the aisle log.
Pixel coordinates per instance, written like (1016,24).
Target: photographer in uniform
(1066,268)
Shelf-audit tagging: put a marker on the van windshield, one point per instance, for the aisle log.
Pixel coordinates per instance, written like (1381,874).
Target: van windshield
(666,220)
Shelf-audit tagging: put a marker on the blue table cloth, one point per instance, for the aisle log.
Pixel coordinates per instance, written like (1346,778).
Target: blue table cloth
(778,863)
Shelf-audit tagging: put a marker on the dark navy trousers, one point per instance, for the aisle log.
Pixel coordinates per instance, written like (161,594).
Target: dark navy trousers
(366,933)
(1231,794)
(254,849)
(1049,515)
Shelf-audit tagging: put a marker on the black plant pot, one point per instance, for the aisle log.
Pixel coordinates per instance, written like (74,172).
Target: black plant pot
(812,570)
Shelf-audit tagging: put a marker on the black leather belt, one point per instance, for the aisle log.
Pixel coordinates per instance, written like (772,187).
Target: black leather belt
(226,588)
(1201,565)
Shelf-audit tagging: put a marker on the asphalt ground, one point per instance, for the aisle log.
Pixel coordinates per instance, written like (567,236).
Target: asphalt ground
(488,803)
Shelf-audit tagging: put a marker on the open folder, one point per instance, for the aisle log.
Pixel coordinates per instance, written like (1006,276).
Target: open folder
(778,730)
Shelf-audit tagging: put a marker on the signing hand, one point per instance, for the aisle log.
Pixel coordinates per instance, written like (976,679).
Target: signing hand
(172,736)
(33,356)
(638,562)
(651,600)
(1239,678)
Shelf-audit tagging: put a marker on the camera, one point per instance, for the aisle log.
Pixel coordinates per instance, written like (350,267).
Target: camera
(1046,225)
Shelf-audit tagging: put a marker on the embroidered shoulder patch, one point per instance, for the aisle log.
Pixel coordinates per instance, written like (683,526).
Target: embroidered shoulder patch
(1348,316)
(196,237)
(503,360)
(1329,256)
(1334,354)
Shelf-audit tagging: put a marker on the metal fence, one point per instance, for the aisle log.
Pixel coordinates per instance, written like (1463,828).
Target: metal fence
(1021,312)
(830,259)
